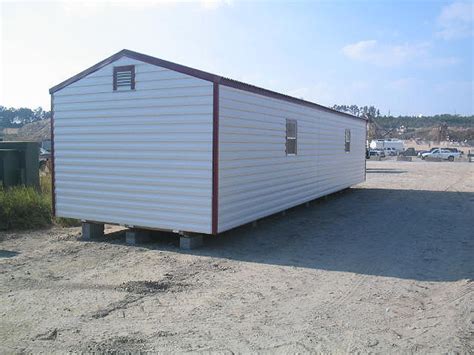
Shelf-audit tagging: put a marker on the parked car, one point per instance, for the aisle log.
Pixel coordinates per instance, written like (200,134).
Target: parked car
(455,150)
(390,151)
(376,153)
(421,152)
(441,153)
(409,152)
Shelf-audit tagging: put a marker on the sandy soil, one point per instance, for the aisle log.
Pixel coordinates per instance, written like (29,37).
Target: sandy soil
(386,266)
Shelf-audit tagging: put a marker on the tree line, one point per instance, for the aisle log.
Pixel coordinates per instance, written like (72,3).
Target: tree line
(18,117)
(391,122)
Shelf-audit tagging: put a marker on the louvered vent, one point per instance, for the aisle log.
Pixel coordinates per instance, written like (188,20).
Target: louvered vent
(124,77)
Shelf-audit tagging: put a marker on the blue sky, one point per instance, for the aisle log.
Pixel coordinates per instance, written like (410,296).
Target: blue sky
(406,57)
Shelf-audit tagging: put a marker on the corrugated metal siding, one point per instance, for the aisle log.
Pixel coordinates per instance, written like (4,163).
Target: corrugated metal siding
(257,179)
(140,157)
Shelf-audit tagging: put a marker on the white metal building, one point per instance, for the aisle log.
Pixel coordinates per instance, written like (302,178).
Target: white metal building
(143,142)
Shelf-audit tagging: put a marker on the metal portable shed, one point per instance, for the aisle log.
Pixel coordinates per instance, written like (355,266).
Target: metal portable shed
(143,142)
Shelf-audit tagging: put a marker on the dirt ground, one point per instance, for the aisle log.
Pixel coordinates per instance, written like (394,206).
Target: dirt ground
(386,266)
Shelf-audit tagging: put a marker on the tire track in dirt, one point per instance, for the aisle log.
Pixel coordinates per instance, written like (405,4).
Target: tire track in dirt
(378,267)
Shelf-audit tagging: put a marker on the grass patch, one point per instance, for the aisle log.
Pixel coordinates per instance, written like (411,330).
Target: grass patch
(67,222)
(45,184)
(24,207)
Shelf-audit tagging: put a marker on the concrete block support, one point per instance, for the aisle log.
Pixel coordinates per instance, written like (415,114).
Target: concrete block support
(188,242)
(92,230)
(137,236)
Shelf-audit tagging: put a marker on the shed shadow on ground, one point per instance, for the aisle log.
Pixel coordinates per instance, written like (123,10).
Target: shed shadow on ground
(409,234)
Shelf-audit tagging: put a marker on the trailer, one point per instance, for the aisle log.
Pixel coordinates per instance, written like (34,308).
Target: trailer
(150,144)
(396,144)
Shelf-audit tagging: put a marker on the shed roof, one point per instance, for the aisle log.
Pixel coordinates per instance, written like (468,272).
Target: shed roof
(198,74)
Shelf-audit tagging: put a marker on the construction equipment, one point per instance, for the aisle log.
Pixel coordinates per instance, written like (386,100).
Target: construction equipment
(376,131)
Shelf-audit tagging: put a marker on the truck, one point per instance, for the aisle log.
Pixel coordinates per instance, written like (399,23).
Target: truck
(444,154)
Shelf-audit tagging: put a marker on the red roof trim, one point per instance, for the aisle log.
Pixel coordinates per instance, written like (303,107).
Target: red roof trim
(198,74)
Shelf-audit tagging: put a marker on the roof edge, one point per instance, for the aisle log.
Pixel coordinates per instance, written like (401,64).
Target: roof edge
(277,95)
(198,74)
(143,58)
(88,71)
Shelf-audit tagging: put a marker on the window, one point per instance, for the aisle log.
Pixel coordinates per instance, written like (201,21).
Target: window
(347,140)
(291,140)
(124,78)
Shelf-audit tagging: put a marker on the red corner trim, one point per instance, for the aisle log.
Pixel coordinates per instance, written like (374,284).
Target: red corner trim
(53,178)
(215,159)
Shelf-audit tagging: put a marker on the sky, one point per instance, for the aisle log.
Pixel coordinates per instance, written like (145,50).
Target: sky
(404,57)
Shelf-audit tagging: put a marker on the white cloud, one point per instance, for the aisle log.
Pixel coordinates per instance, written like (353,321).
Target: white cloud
(89,8)
(390,55)
(433,62)
(456,21)
(85,8)
(330,93)
(214,4)
(321,93)
(360,50)
(405,84)
(371,51)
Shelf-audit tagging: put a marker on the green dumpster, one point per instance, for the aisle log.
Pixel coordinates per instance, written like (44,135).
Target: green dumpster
(19,164)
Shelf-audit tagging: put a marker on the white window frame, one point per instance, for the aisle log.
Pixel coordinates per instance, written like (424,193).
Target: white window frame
(347,140)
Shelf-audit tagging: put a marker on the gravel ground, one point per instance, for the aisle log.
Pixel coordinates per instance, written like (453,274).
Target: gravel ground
(386,266)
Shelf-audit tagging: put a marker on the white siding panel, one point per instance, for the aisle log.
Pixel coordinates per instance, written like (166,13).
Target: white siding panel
(257,179)
(158,93)
(140,157)
(145,87)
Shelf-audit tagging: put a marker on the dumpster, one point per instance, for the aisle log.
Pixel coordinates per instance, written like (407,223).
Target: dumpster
(19,164)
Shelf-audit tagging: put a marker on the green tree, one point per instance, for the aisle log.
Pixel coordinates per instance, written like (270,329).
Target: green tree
(17,117)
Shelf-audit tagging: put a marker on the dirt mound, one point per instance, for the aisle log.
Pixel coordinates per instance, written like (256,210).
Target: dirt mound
(35,131)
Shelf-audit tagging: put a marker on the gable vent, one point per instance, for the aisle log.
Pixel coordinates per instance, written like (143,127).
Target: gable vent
(124,77)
